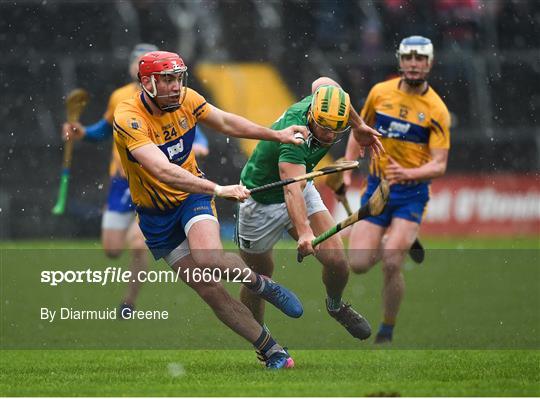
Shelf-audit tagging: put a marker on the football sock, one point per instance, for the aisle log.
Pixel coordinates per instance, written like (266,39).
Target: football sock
(257,286)
(386,330)
(266,344)
(333,304)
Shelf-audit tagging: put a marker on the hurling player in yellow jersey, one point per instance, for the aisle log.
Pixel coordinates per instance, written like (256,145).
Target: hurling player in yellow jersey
(154,135)
(118,227)
(415,127)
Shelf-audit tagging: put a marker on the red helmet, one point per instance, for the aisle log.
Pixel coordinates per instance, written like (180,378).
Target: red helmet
(160,63)
(163,63)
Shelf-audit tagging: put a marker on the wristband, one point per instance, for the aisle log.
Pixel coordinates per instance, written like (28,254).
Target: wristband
(218,190)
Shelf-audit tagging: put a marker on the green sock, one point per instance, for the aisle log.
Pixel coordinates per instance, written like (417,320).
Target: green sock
(333,304)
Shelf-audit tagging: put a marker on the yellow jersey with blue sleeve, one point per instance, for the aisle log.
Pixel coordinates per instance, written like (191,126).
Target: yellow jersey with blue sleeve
(410,125)
(134,125)
(123,93)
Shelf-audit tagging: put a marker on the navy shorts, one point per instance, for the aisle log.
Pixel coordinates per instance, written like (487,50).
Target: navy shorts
(166,230)
(406,202)
(119,199)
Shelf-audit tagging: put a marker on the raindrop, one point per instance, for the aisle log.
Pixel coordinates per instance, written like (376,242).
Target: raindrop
(176,369)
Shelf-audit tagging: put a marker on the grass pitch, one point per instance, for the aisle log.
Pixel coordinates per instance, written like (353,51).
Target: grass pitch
(469,326)
(234,373)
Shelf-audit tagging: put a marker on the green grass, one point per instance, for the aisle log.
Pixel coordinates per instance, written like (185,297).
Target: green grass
(469,326)
(233,373)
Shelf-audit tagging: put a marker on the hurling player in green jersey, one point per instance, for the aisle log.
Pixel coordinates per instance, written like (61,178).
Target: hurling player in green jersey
(298,208)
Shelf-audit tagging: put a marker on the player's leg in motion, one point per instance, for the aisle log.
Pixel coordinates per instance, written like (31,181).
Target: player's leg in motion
(113,241)
(206,249)
(262,263)
(139,262)
(207,252)
(335,274)
(365,248)
(115,231)
(400,238)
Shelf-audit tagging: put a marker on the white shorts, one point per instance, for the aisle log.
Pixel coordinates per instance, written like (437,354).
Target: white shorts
(178,253)
(261,226)
(114,220)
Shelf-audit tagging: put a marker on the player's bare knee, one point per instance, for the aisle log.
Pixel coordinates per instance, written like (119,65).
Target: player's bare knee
(392,263)
(336,263)
(361,261)
(359,268)
(208,258)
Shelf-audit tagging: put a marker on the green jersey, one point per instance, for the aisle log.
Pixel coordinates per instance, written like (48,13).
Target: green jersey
(262,167)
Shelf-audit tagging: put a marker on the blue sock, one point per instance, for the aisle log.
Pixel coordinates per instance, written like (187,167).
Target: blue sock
(266,344)
(386,330)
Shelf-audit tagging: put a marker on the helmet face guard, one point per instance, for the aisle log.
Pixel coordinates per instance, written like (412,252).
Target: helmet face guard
(329,111)
(415,45)
(316,141)
(164,65)
(181,77)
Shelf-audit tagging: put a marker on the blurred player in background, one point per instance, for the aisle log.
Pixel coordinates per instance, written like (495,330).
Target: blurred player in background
(118,227)
(415,127)
(298,208)
(154,134)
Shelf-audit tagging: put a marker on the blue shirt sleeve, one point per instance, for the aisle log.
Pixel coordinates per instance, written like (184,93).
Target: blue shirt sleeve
(99,131)
(200,138)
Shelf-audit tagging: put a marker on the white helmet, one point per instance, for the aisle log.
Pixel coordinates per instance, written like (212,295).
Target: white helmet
(416,44)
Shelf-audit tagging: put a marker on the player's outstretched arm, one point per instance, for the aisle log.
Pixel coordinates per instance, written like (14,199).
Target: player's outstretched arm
(236,126)
(156,163)
(98,131)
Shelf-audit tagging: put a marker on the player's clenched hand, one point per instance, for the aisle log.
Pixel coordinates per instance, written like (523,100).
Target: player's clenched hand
(368,137)
(295,134)
(304,244)
(236,192)
(395,173)
(72,131)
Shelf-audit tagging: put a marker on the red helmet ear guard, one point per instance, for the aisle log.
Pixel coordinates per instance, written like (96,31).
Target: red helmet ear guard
(160,62)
